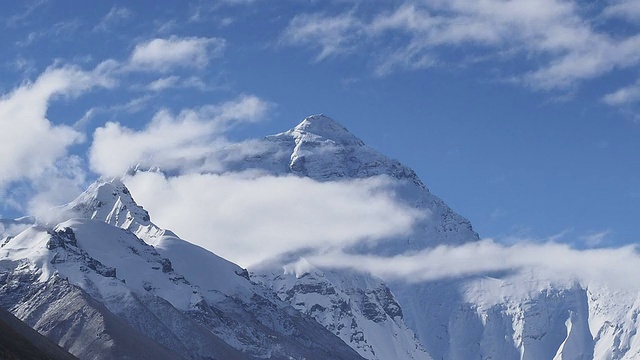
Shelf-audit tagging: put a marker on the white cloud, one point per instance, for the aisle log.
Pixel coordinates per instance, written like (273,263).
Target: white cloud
(132,106)
(595,239)
(173,142)
(164,83)
(115,15)
(246,108)
(626,95)
(248,218)
(555,38)
(551,261)
(13,228)
(58,185)
(171,82)
(163,54)
(625,9)
(334,35)
(29,142)
(20,18)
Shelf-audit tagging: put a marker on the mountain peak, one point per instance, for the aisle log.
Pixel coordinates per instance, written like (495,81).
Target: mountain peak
(110,201)
(325,127)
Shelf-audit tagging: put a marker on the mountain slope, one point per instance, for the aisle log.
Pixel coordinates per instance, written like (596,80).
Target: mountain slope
(175,294)
(18,341)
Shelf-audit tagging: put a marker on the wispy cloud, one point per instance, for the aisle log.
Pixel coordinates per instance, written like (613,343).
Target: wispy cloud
(164,83)
(554,38)
(19,18)
(183,141)
(163,54)
(551,261)
(626,95)
(114,16)
(595,239)
(55,32)
(334,35)
(23,65)
(174,81)
(58,185)
(623,9)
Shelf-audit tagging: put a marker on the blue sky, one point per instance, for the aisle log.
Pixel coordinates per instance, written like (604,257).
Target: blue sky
(522,115)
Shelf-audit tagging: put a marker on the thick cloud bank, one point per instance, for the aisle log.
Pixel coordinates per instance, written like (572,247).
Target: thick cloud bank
(250,218)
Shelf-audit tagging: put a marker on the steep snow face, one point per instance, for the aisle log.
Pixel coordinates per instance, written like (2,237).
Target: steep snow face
(358,308)
(614,322)
(34,286)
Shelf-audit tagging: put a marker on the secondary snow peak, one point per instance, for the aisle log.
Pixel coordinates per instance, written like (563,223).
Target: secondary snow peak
(111,201)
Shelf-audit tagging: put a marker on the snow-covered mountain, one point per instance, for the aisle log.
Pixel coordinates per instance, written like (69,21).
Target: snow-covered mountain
(97,289)
(514,315)
(106,282)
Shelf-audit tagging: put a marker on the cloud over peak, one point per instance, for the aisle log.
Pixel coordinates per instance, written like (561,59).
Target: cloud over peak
(249,217)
